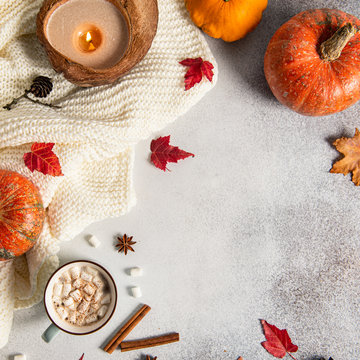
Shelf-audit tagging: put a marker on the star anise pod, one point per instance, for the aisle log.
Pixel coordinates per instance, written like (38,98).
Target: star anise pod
(124,244)
(148,357)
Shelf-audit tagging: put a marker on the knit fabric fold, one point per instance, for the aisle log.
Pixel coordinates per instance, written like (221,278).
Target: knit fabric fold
(95,130)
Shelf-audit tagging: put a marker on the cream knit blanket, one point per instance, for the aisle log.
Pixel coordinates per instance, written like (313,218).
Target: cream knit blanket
(95,131)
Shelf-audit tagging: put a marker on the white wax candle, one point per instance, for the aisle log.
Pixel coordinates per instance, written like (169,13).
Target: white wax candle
(68,25)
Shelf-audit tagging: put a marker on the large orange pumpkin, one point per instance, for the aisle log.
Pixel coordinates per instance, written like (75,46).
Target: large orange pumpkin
(312,63)
(21,214)
(226,19)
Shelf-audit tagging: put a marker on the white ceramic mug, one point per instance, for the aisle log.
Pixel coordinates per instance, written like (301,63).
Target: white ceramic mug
(59,324)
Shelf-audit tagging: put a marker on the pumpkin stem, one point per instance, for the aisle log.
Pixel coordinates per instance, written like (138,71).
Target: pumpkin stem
(331,48)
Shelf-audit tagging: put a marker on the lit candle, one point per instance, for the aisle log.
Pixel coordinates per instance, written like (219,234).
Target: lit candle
(93,33)
(88,40)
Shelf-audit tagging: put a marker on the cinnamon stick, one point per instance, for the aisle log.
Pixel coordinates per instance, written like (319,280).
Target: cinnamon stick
(126,329)
(149,342)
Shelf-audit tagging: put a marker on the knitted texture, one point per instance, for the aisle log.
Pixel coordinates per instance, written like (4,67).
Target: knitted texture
(95,131)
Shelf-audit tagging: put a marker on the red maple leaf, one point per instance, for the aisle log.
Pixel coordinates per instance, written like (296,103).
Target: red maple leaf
(163,153)
(278,341)
(43,159)
(198,69)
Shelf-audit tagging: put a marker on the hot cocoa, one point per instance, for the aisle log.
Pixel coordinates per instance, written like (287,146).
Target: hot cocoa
(81,296)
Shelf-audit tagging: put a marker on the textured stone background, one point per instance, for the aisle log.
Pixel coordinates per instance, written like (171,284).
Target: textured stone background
(254,227)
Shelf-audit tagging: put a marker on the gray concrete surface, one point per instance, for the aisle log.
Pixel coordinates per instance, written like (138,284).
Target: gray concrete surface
(254,227)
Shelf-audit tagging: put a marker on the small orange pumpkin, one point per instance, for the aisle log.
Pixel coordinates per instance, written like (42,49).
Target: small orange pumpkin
(312,62)
(21,214)
(229,20)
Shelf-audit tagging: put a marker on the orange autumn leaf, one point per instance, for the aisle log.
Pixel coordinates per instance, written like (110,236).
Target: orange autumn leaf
(350,148)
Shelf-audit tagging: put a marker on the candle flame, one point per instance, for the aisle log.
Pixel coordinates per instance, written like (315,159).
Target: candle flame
(89,40)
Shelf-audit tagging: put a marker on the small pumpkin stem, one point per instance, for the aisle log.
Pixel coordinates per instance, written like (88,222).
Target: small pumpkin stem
(331,49)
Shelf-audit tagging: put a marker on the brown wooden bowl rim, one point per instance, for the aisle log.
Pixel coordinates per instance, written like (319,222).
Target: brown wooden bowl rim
(87,76)
(62,2)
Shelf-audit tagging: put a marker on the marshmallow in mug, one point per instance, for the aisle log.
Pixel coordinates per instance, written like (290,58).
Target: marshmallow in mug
(81,296)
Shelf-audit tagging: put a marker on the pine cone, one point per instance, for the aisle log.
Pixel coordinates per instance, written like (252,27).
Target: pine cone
(41,86)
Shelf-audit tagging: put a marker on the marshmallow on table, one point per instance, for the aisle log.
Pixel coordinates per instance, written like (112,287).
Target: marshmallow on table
(94,241)
(136,292)
(136,271)
(20,357)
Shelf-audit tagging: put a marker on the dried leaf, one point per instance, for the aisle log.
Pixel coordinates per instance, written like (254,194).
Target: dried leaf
(43,159)
(163,153)
(198,69)
(206,69)
(278,341)
(350,147)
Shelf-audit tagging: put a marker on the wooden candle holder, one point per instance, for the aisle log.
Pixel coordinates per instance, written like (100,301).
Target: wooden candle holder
(141,17)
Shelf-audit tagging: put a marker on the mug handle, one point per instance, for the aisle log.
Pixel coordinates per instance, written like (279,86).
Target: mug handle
(50,333)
